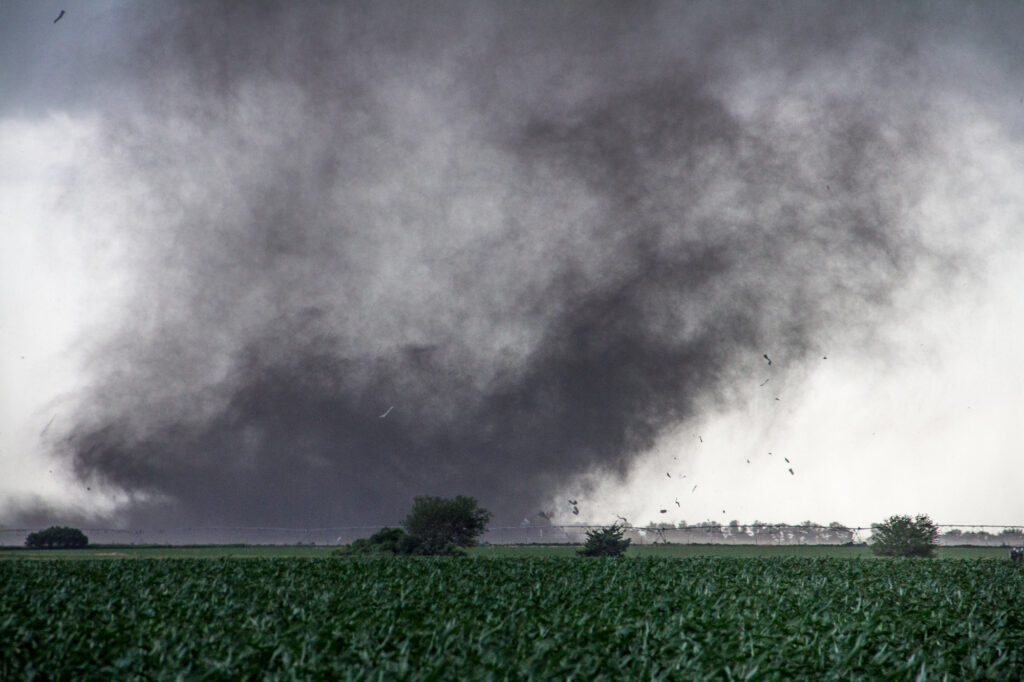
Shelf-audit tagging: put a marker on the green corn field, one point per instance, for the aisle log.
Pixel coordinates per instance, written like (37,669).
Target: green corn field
(521,618)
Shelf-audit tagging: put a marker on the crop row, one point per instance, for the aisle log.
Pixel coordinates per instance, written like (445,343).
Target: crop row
(422,618)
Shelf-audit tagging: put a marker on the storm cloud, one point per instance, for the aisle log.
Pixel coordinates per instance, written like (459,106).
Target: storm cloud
(544,234)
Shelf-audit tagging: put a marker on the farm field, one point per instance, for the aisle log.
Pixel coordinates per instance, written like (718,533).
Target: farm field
(483,551)
(524,618)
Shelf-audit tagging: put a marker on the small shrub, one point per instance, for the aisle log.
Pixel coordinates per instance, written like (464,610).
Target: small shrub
(57,537)
(903,536)
(384,541)
(606,541)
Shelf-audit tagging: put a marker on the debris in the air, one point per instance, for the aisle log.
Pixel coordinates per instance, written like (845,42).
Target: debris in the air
(59,16)
(668,474)
(791,471)
(664,511)
(766,381)
(768,359)
(694,488)
(787,459)
(387,412)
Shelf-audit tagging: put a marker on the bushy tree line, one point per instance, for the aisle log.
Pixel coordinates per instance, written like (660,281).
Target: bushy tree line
(57,537)
(435,526)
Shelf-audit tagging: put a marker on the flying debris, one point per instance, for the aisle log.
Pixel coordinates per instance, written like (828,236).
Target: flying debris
(387,412)
(723,511)
(776,397)
(575,511)
(668,474)
(791,471)
(573,502)
(59,16)
(47,427)
(694,488)
(787,459)
(664,511)
(768,359)
(624,520)
(765,381)
(677,503)
(701,438)
(824,357)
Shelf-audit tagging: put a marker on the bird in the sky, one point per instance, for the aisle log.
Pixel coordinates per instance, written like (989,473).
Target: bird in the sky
(386,413)
(768,359)
(748,461)
(59,16)
(572,502)
(701,438)
(694,488)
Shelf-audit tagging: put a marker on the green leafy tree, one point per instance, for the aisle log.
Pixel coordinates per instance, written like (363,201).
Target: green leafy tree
(57,537)
(440,523)
(904,536)
(607,541)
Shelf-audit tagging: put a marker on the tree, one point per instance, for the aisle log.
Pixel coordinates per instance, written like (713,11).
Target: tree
(903,536)
(57,537)
(606,541)
(438,522)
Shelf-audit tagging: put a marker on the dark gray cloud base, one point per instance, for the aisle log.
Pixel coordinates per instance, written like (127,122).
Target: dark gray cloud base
(545,235)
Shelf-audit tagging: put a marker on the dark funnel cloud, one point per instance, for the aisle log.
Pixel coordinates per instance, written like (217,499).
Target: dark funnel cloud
(540,234)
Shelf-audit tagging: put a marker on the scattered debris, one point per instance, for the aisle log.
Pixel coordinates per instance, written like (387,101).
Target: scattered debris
(387,412)
(766,381)
(787,459)
(768,359)
(59,16)
(791,471)
(664,511)
(677,503)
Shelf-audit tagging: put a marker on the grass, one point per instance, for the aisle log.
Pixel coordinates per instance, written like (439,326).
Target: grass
(769,618)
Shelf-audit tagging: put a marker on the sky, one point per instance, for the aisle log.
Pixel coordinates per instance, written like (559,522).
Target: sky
(294,265)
